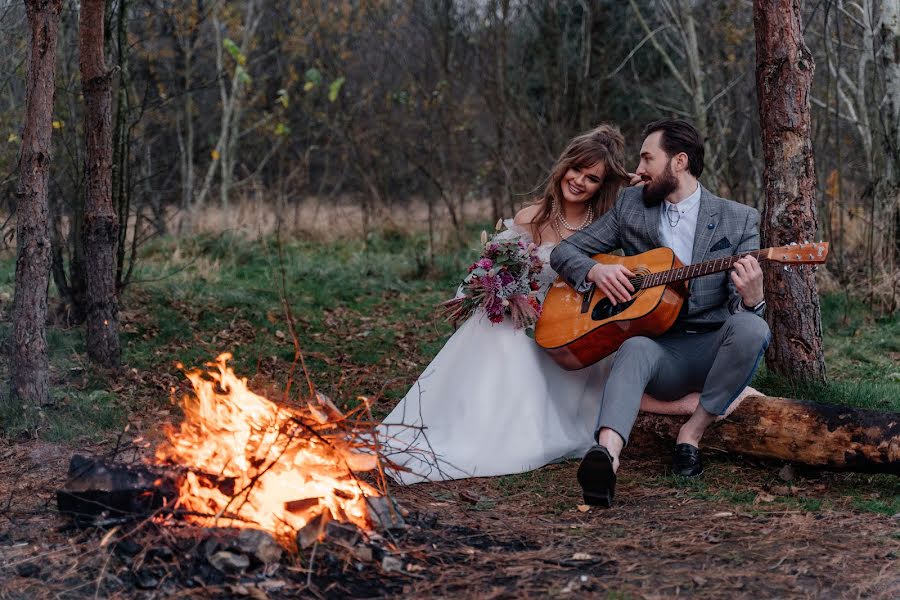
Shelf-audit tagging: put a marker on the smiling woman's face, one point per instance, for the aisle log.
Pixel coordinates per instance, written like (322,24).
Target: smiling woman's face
(580,185)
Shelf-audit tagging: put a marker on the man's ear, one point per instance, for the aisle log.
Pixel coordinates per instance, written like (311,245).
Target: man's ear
(681,161)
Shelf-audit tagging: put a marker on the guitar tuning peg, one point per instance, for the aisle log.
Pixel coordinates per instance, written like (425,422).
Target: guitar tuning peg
(787,268)
(800,268)
(815,268)
(793,243)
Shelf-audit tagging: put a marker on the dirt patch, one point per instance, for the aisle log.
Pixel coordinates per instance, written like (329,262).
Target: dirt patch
(516,536)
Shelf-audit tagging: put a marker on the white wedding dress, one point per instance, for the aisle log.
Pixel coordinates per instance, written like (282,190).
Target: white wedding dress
(492,403)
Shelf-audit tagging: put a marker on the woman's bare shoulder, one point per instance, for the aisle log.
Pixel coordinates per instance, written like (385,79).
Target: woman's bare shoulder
(527,215)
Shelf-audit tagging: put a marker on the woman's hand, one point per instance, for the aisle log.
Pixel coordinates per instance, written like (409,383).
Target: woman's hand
(613,281)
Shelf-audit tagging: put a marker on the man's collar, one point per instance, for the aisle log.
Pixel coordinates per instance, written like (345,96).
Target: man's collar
(690,202)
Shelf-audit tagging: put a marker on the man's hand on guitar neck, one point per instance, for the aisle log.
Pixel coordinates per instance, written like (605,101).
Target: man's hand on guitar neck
(748,279)
(612,280)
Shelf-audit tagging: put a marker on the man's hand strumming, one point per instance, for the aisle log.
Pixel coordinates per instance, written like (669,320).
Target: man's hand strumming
(612,280)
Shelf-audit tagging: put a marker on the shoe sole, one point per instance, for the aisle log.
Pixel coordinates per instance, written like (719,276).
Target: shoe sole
(597,479)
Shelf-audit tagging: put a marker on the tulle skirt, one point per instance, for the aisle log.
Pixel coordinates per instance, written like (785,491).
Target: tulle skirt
(492,403)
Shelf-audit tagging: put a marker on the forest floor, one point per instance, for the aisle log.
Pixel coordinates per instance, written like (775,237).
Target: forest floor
(365,318)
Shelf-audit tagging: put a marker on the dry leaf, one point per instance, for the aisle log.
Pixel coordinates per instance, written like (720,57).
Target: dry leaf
(582,556)
(722,514)
(108,536)
(764,497)
(583,508)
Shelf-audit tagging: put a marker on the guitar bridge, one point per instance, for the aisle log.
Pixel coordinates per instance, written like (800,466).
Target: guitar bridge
(586,299)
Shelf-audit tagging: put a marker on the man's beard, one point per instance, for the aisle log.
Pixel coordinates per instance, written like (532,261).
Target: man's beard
(656,191)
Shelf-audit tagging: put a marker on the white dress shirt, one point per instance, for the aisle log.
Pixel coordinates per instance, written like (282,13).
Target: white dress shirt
(677,224)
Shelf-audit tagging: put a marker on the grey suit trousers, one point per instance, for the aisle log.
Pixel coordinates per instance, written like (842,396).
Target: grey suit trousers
(718,364)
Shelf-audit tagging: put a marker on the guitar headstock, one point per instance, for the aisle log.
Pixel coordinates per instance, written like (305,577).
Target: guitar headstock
(799,254)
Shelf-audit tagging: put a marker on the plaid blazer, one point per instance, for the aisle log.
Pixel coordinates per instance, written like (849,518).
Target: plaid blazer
(724,228)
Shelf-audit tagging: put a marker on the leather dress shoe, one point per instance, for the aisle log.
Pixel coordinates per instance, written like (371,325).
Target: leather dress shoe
(687,461)
(597,478)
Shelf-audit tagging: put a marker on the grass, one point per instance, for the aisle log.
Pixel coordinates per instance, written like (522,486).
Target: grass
(862,357)
(365,319)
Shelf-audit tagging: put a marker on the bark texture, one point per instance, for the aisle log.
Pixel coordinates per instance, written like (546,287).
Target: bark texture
(101,221)
(29,378)
(889,187)
(819,435)
(784,71)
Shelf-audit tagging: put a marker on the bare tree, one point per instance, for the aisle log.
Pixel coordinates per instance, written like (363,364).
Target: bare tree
(30,380)
(101,222)
(784,71)
(233,96)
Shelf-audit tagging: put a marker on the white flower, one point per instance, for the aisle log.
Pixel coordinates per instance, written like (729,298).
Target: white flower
(484,238)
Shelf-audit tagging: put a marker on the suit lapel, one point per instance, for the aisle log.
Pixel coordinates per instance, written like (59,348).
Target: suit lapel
(651,224)
(707,215)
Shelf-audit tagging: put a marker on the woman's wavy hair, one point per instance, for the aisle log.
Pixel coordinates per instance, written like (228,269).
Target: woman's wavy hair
(605,144)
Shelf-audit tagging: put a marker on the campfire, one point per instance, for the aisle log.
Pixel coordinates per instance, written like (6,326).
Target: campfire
(241,460)
(285,467)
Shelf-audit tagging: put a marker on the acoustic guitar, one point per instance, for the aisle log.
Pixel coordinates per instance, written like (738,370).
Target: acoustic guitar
(578,329)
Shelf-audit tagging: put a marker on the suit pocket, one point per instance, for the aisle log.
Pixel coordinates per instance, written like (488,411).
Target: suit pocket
(723,244)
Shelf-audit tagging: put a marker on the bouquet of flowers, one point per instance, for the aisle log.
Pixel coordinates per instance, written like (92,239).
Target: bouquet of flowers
(503,281)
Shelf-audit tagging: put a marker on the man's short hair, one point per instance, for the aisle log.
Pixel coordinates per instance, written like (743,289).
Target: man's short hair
(679,135)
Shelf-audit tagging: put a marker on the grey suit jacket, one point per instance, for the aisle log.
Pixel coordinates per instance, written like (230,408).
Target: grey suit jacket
(724,228)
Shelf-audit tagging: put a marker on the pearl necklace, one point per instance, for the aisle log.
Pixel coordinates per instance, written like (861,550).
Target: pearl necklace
(559,219)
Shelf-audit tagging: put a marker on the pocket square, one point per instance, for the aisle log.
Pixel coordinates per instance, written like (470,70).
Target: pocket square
(721,245)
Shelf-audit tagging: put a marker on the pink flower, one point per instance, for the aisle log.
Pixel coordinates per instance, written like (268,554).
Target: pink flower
(484,263)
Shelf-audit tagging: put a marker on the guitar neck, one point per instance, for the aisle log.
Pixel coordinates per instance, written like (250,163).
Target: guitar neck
(700,269)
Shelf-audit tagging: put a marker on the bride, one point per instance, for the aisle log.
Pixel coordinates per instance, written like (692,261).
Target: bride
(492,402)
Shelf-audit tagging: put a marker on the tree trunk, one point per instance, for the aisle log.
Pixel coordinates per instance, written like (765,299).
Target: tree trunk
(30,381)
(784,70)
(101,222)
(889,36)
(121,191)
(818,435)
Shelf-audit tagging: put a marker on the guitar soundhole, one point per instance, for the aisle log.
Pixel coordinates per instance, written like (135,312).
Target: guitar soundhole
(605,309)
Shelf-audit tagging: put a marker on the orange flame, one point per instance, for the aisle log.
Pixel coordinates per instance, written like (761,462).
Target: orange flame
(277,468)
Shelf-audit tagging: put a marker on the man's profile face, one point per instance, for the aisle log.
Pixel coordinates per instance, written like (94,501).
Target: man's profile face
(655,169)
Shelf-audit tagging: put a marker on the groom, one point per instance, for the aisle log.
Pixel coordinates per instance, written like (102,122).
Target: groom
(715,344)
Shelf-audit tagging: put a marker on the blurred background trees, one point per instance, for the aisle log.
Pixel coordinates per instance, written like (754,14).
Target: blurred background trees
(454,106)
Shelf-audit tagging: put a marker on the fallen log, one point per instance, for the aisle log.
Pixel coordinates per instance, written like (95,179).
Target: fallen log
(819,435)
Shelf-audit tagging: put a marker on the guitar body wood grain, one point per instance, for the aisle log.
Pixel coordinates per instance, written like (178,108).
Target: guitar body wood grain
(577,331)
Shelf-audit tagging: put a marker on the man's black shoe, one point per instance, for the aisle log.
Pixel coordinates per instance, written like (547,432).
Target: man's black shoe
(687,461)
(597,478)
